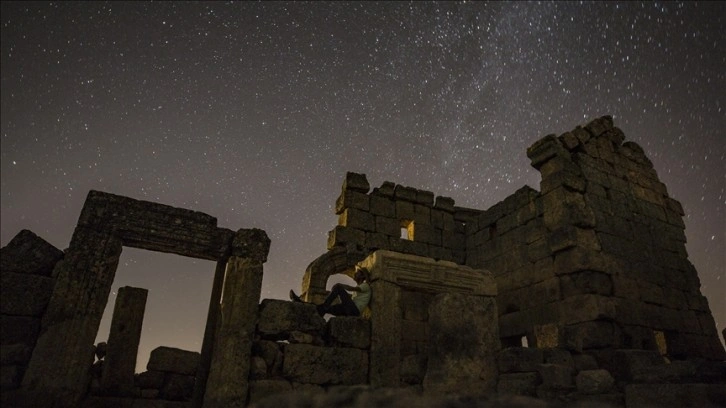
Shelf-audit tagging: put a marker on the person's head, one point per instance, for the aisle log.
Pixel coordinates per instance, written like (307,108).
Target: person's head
(361,275)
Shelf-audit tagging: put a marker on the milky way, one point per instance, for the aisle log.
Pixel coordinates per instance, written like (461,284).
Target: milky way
(253,113)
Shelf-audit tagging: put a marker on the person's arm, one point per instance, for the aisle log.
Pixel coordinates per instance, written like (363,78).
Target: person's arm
(350,288)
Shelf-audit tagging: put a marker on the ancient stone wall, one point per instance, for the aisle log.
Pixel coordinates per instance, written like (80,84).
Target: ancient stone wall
(596,259)
(391,217)
(26,266)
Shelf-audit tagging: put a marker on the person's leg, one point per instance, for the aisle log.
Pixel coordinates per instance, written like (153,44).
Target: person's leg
(343,309)
(336,292)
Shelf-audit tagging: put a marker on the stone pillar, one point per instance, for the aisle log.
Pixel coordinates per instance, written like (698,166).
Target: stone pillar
(228,379)
(385,354)
(123,342)
(209,334)
(57,374)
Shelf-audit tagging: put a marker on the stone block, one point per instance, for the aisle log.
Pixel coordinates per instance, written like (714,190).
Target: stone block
(445,203)
(27,253)
(377,240)
(271,354)
(388,226)
(555,376)
(23,294)
(427,234)
(278,317)
(674,395)
(558,356)
(584,362)
(626,363)
(173,360)
(405,193)
(342,236)
(463,343)
(579,259)
(544,150)
(356,182)
(547,336)
(261,389)
(382,206)
(325,365)
(597,381)
(583,308)
(585,282)
(349,332)
(594,334)
(519,384)
(354,218)
(150,379)
(252,243)
(404,210)
(352,199)
(520,359)
(425,197)
(386,189)
(599,126)
(177,387)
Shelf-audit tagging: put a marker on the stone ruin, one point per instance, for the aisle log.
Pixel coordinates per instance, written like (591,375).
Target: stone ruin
(579,293)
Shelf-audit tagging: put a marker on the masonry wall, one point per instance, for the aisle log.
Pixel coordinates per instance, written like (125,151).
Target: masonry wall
(27,284)
(370,221)
(598,256)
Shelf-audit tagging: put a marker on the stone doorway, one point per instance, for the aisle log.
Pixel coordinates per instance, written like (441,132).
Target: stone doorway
(177,303)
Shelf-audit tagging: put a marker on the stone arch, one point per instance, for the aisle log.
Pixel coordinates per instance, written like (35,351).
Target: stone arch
(336,261)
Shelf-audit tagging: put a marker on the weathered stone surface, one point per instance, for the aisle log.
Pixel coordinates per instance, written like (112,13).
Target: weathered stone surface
(555,376)
(271,353)
(27,253)
(173,360)
(262,389)
(150,379)
(279,317)
(352,199)
(177,387)
(463,344)
(349,332)
(626,363)
(324,365)
(59,368)
(519,383)
(594,381)
(9,376)
(230,363)
(675,395)
(14,353)
(519,359)
(413,369)
(356,182)
(123,341)
(252,244)
(23,294)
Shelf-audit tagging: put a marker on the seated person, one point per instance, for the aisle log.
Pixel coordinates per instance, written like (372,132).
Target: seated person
(349,305)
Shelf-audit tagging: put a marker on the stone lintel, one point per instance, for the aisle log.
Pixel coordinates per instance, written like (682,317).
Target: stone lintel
(426,274)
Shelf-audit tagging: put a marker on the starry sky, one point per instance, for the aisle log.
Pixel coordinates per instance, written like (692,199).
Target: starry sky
(253,113)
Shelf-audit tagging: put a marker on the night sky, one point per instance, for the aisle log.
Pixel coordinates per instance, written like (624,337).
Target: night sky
(253,113)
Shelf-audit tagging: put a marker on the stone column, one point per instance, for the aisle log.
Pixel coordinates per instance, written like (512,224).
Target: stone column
(209,334)
(385,355)
(57,374)
(228,379)
(123,342)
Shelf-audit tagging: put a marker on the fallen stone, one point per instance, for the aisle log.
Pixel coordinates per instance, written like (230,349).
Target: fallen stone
(27,253)
(278,318)
(173,360)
